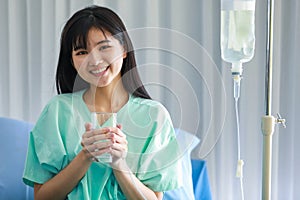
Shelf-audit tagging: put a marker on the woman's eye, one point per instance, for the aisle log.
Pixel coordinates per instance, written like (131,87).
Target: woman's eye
(104,47)
(81,53)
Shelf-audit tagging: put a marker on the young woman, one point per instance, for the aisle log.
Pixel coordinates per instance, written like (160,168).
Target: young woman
(97,72)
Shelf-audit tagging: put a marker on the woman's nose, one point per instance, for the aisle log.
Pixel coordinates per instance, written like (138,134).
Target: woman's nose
(94,59)
(95,63)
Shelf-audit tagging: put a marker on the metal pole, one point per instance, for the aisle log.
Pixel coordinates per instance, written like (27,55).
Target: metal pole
(268,121)
(269,66)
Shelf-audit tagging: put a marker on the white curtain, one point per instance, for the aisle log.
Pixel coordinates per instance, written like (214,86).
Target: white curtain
(179,60)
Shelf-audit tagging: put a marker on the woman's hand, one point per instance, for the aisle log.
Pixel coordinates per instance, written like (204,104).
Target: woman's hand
(90,141)
(119,147)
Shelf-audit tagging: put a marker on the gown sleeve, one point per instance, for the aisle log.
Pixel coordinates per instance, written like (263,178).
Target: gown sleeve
(46,154)
(160,166)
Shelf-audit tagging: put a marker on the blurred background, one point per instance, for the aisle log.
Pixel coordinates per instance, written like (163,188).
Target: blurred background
(177,45)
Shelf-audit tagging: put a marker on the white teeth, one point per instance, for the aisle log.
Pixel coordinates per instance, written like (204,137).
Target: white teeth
(99,70)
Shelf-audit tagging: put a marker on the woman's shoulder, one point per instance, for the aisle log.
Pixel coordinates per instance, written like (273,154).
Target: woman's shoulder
(139,101)
(65,99)
(62,102)
(59,105)
(153,106)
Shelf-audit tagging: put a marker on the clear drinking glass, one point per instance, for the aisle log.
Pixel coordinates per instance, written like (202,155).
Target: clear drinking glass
(101,120)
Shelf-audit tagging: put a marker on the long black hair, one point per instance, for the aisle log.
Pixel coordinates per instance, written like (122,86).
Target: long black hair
(75,34)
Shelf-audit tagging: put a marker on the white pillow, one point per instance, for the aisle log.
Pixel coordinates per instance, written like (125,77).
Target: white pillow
(187,142)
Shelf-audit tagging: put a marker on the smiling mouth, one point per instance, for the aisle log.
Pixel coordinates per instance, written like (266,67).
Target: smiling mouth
(99,70)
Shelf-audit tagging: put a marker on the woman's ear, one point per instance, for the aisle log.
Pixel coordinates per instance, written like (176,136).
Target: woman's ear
(124,54)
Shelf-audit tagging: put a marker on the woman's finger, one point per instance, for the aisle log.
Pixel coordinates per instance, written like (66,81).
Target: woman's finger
(97,148)
(93,132)
(98,153)
(97,138)
(119,140)
(119,126)
(119,149)
(88,126)
(93,154)
(117,131)
(96,142)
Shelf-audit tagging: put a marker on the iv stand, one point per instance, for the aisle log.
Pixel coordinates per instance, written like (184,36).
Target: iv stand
(268,121)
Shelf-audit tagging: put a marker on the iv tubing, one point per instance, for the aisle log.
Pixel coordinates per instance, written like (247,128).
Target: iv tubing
(238,128)
(239,172)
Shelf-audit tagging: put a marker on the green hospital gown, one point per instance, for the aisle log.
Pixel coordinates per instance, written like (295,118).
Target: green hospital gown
(153,153)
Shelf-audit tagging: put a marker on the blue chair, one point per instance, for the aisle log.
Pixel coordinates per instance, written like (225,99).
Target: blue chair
(201,183)
(13,143)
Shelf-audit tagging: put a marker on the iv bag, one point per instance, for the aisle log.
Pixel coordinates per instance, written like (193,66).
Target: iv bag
(237,30)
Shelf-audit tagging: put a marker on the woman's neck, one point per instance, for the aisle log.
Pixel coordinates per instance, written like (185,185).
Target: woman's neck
(106,99)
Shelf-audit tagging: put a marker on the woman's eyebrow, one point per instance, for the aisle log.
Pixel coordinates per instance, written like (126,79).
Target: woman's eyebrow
(103,41)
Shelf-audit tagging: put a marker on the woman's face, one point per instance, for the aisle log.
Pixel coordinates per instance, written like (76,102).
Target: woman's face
(101,62)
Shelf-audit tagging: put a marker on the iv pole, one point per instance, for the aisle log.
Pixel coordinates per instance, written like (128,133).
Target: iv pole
(268,121)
